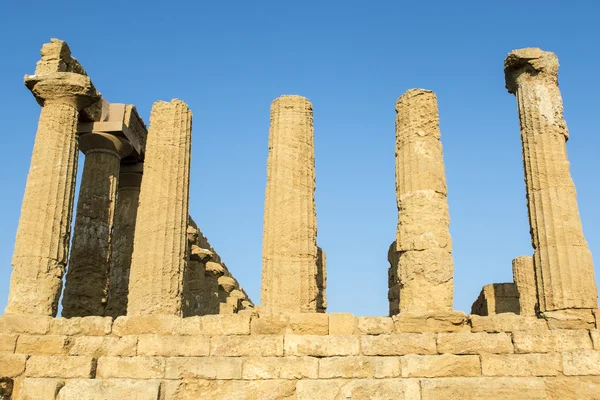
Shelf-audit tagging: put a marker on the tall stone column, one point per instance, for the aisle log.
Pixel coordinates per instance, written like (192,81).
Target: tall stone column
(421,262)
(43,235)
(563,262)
(130,180)
(291,274)
(159,252)
(87,275)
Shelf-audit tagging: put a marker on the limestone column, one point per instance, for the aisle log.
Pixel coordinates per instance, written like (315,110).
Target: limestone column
(563,263)
(290,257)
(524,278)
(87,274)
(423,259)
(160,243)
(43,235)
(130,180)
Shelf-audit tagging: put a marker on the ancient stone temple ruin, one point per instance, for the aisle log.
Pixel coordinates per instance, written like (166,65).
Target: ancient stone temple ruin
(151,312)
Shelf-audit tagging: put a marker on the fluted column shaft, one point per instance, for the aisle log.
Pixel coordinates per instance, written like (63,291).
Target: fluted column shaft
(290,266)
(421,279)
(42,243)
(130,180)
(86,283)
(562,259)
(160,244)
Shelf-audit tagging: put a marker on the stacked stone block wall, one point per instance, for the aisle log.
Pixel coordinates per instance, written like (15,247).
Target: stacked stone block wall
(208,285)
(300,356)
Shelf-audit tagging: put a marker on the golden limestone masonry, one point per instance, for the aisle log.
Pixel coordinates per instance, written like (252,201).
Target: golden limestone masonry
(152,312)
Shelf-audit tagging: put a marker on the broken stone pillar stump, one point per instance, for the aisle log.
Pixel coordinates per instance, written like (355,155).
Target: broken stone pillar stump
(42,243)
(524,278)
(562,259)
(160,243)
(130,180)
(497,298)
(86,283)
(421,275)
(290,266)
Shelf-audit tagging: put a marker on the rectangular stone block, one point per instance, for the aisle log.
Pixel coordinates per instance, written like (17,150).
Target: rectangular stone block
(12,365)
(582,362)
(474,343)
(570,319)
(17,323)
(573,388)
(270,324)
(435,366)
(222,324)
(246,346)
(359,367)
(204,368)
(109,389)
(374,325)
(146,324)
(280,368)
(380,389)
(39,389)
(163,345)
(321,346)
(398,344)
(8,343)
(506,322)
(545,364)
(595,334)
(448,321)
(341,324)
(59,367)
(87,326)
(131,367)
(273,389)
(42,345)
(551,340)
(309,323)
(483,388)
(97,346)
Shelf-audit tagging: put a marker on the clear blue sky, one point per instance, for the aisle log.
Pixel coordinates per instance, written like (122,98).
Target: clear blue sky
(229,59)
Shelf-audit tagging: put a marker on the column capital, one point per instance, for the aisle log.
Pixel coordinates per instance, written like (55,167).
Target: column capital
(131,175)
(533,61)
(69,88)
(104,142)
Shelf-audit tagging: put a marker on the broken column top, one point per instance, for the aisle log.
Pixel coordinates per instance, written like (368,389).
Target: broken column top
(59,77)
(412,93)
(532,60)
(289,100)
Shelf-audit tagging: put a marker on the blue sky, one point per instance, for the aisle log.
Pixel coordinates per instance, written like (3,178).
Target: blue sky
(228,60)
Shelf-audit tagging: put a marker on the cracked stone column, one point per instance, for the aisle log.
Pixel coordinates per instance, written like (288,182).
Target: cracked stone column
(524,278)
(86,283)
(421,258)
(291,274)
(563,262)
(130,180)
(160,243)
(42,242)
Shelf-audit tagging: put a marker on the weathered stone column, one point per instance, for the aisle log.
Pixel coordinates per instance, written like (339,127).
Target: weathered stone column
(290,267)
(87,274)
(563,262)
(130,180)
(159,252)
(423,249)
(42,243)
(524,278)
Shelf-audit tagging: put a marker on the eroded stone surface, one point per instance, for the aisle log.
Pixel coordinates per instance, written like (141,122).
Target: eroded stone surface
(292,280)
(560,249)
